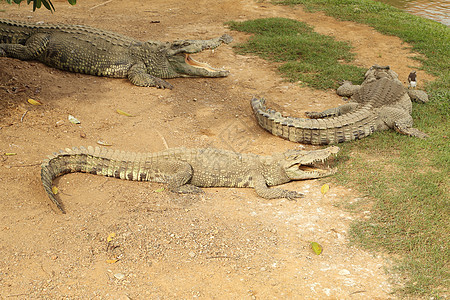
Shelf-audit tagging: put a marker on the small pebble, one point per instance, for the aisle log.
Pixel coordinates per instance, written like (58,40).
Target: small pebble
(119,276)
(344,272)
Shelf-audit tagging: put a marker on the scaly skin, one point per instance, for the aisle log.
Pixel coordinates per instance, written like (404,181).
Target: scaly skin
(379,103)
(92,51)
(185,170)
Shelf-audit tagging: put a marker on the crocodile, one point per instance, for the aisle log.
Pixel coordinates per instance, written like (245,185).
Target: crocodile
(88,50)
(379,103)
(185,170)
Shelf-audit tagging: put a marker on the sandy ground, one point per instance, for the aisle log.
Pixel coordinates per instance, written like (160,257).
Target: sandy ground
(224,244)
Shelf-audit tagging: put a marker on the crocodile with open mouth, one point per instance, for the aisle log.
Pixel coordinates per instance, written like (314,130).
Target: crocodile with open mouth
(186,170)
(93,51)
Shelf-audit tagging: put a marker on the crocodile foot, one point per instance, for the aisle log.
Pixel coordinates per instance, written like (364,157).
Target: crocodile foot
(292,195)
(162,84)
(410,131)
(187,189)
(418,96)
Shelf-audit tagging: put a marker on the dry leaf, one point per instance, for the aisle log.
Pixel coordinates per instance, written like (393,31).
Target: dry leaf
(316,248)
(159,190)
(55,190)
(10,153)
(103,143)
(121,112)
(34,102)
(324,189)
(111,236)
(73,120)
(112,261)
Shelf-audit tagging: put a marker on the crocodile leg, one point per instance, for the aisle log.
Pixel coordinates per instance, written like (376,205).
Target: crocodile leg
(178,183)
(410,131)
(264,191)
(33,48)
(333,112)
(400,121)
(138,75)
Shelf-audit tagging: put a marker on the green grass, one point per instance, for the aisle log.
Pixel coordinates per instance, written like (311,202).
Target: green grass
(427,37)
(407,178)
(409,182)
(303,55)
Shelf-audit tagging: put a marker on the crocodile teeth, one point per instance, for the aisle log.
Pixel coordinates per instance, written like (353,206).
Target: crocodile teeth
(192,62)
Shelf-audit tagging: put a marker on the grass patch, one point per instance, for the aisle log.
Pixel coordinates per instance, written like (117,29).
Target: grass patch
(409,185)
(426,36)
(305,56)
(407,178)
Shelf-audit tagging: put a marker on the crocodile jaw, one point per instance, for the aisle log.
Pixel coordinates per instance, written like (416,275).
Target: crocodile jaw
(310,164)
(310,172)
(185,66)
(196,64)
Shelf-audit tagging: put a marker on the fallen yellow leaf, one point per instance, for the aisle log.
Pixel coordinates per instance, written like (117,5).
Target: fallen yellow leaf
(10,153)
(104,143)
(121,112)
(55,190)
(324,189)
(34,102)
(111,261)
(159,190)
(111,236)
(316,248)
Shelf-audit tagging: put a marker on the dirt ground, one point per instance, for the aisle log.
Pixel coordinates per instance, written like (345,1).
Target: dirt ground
(224,244)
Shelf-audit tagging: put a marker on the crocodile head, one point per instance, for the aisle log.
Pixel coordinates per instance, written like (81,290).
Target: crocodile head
(303,164)
(183,65)
(376,72)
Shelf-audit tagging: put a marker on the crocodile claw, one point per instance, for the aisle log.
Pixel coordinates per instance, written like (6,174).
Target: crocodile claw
(187,189)
(162,84)
(293,195)
(410,131)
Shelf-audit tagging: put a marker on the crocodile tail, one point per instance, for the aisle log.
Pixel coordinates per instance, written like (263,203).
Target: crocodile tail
(47,176)
(351,126)
(99,161)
